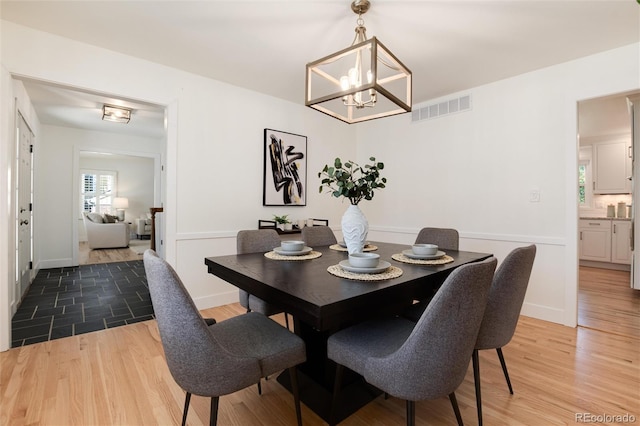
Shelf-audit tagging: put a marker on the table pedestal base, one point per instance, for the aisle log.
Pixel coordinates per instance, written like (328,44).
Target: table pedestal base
(356,394)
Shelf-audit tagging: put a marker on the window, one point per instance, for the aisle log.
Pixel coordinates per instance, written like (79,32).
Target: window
(97,190)
(584,180)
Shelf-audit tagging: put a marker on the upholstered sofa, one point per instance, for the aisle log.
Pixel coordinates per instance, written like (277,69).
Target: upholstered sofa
(105,235)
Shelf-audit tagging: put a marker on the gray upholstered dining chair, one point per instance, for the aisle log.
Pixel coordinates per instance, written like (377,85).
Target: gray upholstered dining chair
(445,239)
(503,310)
(258,241)
(420,361)
(221,358)
(318,236)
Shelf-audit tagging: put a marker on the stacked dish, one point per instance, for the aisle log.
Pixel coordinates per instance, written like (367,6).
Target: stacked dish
(292,248)
(424,252)
(364,263)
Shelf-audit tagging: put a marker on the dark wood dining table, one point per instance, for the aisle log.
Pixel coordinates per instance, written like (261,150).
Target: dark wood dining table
(322,303)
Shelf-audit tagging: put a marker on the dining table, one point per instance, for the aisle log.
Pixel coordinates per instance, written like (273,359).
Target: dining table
(324,298)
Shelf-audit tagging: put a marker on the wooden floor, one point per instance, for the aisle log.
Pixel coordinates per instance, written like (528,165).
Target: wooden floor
(119,377)
(87,256)
(606,302)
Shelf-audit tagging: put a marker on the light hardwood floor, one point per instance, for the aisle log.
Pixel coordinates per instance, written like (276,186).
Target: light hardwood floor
(119,376)
(88,256)
(606,302)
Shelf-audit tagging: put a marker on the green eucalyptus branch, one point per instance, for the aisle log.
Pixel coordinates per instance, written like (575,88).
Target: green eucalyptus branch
(352,181)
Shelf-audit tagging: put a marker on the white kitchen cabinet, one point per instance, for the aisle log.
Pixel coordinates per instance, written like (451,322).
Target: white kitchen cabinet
(612,168)
(621,241)
(595,240)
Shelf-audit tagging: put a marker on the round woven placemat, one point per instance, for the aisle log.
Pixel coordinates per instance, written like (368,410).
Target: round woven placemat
(368,247)
(275,256)
(404,259)
(390,272)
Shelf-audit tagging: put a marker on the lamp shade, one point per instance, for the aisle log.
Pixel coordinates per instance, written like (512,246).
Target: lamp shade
(120,203)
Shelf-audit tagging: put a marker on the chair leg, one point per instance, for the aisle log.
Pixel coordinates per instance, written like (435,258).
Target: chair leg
(286,320)
(476,379)
(213,418)
(293,375)
(187,399)
(411,413)
(504,369)
(456,410)
(336,394)
(259,387)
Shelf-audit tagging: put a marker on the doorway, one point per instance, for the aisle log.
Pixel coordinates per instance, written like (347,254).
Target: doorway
(71,123)
(606,300)
(134,178)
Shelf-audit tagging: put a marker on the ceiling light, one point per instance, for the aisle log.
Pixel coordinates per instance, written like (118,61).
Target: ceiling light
(116,114)
(362,82)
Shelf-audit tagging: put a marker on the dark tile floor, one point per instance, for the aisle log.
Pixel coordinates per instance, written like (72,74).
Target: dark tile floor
(64,302)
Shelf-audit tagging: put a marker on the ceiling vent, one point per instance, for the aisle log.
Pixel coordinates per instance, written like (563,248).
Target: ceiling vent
(439,109)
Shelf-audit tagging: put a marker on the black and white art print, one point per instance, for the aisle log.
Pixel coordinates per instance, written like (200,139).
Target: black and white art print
(285,169)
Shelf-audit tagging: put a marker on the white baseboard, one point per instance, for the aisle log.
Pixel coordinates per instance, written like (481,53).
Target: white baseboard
(606,265)
(218,299)
(54,263)
(544,313)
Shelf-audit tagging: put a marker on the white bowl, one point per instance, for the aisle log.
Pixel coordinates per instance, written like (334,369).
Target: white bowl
(364,260)
(424,249)
(292,245)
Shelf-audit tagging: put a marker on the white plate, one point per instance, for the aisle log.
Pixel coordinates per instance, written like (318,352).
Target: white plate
(411,255)
(281,252)
(383,265)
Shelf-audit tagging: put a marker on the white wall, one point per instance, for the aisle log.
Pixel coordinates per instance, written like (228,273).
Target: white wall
(472,171)
(214,155)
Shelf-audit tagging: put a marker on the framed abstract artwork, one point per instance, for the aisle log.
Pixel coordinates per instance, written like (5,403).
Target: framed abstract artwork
(285,169)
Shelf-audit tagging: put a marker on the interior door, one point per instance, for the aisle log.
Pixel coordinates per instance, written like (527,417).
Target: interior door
(24,214)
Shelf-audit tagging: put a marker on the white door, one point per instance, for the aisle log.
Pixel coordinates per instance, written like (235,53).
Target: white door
(24,213)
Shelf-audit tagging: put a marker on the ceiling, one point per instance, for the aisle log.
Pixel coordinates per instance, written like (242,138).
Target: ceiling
(263,45)
(62,106)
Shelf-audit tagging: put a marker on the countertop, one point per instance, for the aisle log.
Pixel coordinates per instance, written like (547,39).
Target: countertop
(604,218)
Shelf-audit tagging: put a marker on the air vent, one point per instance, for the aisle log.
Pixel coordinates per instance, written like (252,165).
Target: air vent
(442,108)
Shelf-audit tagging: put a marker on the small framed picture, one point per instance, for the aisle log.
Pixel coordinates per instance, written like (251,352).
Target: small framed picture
(285,169)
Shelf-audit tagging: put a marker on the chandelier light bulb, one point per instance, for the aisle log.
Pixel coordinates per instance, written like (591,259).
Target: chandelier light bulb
(344,82)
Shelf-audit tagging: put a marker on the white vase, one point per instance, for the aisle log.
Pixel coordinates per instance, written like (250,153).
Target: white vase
(354,229)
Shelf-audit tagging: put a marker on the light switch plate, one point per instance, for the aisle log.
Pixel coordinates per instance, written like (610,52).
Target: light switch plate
(534,196)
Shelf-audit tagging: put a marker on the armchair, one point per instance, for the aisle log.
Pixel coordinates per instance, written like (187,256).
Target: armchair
(143,227)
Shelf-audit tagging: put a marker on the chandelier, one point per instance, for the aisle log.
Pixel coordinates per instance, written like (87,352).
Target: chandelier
(362,82)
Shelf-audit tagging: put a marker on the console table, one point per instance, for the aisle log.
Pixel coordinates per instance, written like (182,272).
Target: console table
(271,224)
